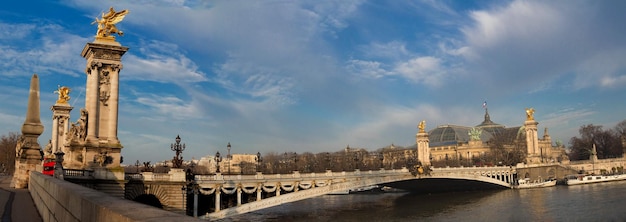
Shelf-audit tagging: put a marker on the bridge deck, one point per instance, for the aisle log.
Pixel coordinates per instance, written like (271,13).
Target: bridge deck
(16,204)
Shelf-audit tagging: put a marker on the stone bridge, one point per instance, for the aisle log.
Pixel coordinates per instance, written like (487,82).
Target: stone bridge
(230,195)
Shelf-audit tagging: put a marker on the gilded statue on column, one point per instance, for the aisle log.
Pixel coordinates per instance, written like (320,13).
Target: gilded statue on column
(529,114)
(64,94)
(422,126)
(106,25)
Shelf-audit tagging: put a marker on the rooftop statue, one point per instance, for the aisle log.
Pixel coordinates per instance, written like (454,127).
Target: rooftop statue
(529,114)
(474,134)
(106,25)
(64,94)
(422,126)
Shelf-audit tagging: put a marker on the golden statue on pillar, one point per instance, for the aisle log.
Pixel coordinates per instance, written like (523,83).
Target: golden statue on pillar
(106,25)
(64,94)
(422,126)
(529,114)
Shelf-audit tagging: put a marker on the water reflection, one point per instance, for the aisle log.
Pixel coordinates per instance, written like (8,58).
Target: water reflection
(594,202)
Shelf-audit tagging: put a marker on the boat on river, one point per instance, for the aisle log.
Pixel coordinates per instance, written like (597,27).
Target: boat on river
(585,179)
(526,183)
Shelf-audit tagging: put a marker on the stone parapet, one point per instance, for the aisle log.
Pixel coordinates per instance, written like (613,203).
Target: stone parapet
(58,200)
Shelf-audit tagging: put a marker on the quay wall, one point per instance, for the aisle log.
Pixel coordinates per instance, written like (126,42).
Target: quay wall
(61,201)
(597,166)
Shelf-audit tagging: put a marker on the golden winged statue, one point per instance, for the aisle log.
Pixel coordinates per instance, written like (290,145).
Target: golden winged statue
(106,25)
(64,94)
(530,114)
(422,126)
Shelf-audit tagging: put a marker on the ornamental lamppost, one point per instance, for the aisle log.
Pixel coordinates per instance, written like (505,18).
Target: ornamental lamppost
(177,161)
(259,159)
(327,158)
(228,157)
(137,166)
(295,161)
(218,159)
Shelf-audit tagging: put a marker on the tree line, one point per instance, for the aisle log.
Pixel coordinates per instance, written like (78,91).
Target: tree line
(609,142)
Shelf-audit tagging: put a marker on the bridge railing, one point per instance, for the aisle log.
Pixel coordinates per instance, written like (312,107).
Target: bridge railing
(501,173)
(297,175)
(78,174)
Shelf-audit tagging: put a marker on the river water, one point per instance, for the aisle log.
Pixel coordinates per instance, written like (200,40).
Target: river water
(590,202)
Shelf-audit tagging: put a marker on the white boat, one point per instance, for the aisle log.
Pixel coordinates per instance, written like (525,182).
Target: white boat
(527,183)
(585,179)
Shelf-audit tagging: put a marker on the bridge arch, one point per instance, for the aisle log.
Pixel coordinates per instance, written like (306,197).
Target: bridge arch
(147,192)
(149,199)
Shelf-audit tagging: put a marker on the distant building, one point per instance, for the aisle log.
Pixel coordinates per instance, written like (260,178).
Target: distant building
(467,143)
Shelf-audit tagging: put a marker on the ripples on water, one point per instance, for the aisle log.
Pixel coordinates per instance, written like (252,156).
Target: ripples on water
(591,202)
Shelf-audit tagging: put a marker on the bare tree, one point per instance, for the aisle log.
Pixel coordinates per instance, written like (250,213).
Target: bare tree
(507,147)
(608,143)
(7,149)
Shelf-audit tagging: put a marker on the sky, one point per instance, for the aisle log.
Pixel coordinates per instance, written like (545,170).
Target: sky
(318,76)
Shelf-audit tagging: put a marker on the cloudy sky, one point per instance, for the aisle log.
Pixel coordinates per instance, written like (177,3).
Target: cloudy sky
(276,76)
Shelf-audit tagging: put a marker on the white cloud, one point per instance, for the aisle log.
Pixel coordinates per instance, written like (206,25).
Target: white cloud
(162,63)
(52,51)
(161,107)
(426,69)
(366,69)
(525,43)
(389,50)
(15,31)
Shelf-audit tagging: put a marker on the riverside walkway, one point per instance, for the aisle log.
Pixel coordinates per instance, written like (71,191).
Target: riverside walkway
(16,204)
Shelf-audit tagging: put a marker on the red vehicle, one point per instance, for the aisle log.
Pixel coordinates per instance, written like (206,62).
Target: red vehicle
(48,167)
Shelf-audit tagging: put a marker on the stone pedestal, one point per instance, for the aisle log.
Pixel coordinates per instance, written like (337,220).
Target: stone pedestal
(93,140)
(177,174)
(60,125)
(532,142)
(423,148)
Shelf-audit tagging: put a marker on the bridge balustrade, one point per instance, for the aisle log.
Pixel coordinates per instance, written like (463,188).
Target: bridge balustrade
(78,174)
(504,174)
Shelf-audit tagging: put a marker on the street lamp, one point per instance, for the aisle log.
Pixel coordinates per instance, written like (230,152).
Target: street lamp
(137,166)
(218,159)
(177,162)
(228,157)
(259,159)
(295,161)
(327,157)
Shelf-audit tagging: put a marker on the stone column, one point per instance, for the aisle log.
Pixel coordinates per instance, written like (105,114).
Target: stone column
(532,142)
(60,124)
(28,151)
(218,191)
(238,196)
(91,98)
(101,102)
(423,148)
(113,104)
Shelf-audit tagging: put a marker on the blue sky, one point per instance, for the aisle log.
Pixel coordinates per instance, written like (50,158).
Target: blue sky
(276,76)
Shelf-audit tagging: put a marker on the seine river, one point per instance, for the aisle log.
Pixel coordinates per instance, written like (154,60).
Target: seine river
(591,202)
